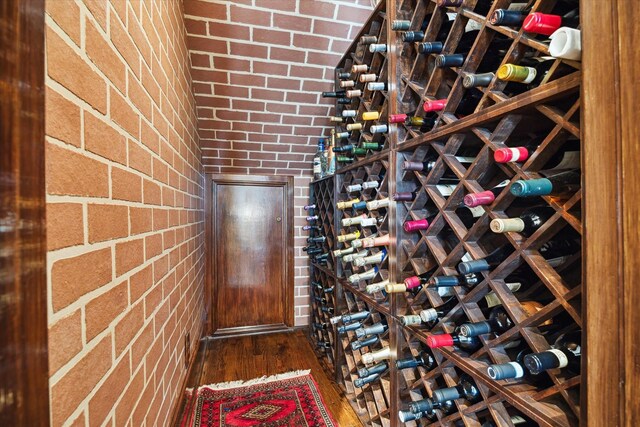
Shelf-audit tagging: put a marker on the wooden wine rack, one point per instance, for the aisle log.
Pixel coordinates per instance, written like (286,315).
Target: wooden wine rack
(550,111)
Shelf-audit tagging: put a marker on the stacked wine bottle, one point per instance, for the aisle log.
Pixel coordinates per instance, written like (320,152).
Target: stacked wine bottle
(480,279)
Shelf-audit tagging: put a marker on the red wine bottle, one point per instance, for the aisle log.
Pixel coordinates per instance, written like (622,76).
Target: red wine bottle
(468,344)
(565,353)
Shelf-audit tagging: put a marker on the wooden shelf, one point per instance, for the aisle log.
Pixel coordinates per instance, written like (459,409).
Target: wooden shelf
(502,117)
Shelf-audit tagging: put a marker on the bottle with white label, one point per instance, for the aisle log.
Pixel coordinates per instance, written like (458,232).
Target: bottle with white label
(376,287)
(338,253)
(378,204)
(354,220)
(564,354)
(371,259)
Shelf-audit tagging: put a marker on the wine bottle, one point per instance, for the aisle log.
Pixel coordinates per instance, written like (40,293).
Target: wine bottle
(344,101)
(344,159)
(337,119)
(312,250)
(361,382)
(327,309)
(527,223)
(367,275)
(312,228)
(424,359)
(468,344)
(371,259)
(354,93)
(347,204)
(530,72)
(427,166)
(377,86)
(365,78)
(347,83)
(373,146)
(418,224)
(498,321)
(371,222)
(347,237)
(320,326)
(350,317)
(370,242)
(485,197)
(420,409)
(466,388)
(521,153)
(344,75)
(356,345)
(368,39)
(349,327)
(317,160)
(424,124)
(317,239)
(565,353)
(378,204)
(492,260)
(466,280)
(469,215)
(324,345)
(374,47)
(376,356)
(354,220)
(353,257)
(378,368)
(547,24)
(320,300)
(566,44)
(359,68)
(511,17)
(375,329)
(378,129)
(405,196)
(558,184)
(354,126)
(477,80)
(312,218)
(492,59)
(336,94)
(349,113)
(338,253)
(376,287)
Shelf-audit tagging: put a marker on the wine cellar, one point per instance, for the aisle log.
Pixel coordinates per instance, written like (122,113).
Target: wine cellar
(444,259)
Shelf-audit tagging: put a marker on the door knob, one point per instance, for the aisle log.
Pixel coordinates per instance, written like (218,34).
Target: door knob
(279,218)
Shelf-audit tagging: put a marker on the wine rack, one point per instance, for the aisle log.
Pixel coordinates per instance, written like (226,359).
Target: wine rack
(440,161)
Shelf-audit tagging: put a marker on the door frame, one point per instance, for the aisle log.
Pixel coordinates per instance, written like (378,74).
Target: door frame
(287,183)
(24,375)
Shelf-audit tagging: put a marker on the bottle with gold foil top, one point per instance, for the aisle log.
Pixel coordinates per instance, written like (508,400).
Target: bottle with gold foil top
(347,237)
(370,115)
(354,126)
(529,73)
(347,204)
(425,124)
(355,93)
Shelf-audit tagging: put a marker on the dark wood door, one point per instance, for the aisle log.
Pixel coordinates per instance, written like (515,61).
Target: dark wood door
(252,256)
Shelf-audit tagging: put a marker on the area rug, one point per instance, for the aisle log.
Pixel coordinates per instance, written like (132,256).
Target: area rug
(291,399)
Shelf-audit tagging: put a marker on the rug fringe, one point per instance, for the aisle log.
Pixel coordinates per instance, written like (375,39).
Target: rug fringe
(261,380)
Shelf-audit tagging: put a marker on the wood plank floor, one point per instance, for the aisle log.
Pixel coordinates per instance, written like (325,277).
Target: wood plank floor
(244,358)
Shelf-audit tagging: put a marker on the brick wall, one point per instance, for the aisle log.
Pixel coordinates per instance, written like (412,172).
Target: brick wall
(124,210)
(258,68)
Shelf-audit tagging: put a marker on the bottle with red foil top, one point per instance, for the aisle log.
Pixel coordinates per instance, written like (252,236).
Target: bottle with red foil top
(547,24)
(413,284)
(485,197)
(424,123)
(566,158)
(434,105)
(418,224)
(468,344)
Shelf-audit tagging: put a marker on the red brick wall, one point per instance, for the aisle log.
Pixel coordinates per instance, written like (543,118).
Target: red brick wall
(124,210)
(258,68)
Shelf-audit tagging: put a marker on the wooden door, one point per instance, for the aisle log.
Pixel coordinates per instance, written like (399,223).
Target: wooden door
(252,265)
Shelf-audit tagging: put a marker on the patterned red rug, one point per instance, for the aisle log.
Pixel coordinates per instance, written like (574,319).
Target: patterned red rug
(290,399)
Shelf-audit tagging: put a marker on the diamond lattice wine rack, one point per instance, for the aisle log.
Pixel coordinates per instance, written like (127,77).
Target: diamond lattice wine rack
(457,242)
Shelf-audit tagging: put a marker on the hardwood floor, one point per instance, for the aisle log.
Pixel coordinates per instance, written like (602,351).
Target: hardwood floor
(244,358)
